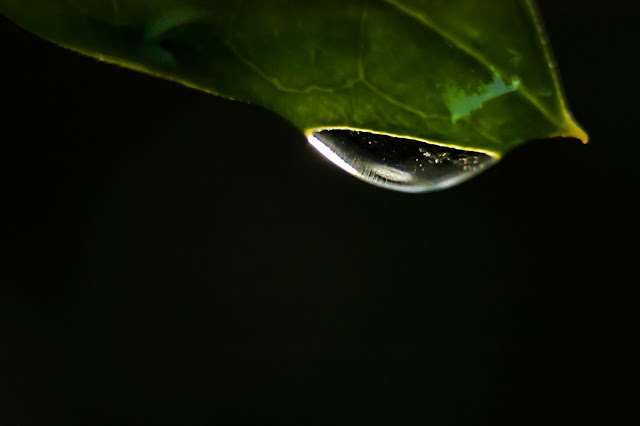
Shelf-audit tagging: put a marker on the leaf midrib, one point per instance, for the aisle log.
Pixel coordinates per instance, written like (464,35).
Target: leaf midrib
(522,90)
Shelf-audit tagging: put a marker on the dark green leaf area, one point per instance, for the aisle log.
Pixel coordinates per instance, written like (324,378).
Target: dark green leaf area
(467,73)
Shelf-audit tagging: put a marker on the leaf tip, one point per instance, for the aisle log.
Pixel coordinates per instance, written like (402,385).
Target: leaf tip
(574,130)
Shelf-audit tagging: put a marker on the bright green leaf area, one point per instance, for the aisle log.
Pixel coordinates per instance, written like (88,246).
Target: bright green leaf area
(467,73)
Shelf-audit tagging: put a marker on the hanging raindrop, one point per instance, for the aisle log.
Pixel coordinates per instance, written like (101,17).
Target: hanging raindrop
(401,164)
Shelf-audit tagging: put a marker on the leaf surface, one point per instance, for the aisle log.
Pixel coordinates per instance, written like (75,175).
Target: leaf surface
(465,73)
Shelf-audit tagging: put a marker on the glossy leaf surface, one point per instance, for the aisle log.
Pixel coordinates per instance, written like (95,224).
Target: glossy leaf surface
(465,73)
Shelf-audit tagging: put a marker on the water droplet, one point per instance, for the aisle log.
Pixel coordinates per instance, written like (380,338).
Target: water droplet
(401,164)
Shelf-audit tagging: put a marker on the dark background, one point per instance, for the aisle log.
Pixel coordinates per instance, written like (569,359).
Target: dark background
(175,258)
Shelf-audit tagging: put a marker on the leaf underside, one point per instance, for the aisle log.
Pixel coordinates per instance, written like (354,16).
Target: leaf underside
(467,73)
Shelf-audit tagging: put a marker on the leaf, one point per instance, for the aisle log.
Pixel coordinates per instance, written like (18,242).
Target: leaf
(464,73)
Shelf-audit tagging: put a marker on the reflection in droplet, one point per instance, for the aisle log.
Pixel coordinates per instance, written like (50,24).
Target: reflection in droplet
(401,164)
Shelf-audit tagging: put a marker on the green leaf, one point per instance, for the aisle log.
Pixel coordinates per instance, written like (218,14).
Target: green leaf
(464,73)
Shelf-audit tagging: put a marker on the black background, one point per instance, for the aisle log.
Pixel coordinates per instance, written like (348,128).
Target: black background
(175,258)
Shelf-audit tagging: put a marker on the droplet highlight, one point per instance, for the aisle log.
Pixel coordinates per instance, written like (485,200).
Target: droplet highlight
(398,163)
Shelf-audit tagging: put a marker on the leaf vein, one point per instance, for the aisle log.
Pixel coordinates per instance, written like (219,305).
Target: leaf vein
(282,87)
(361,76)
(420,17)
